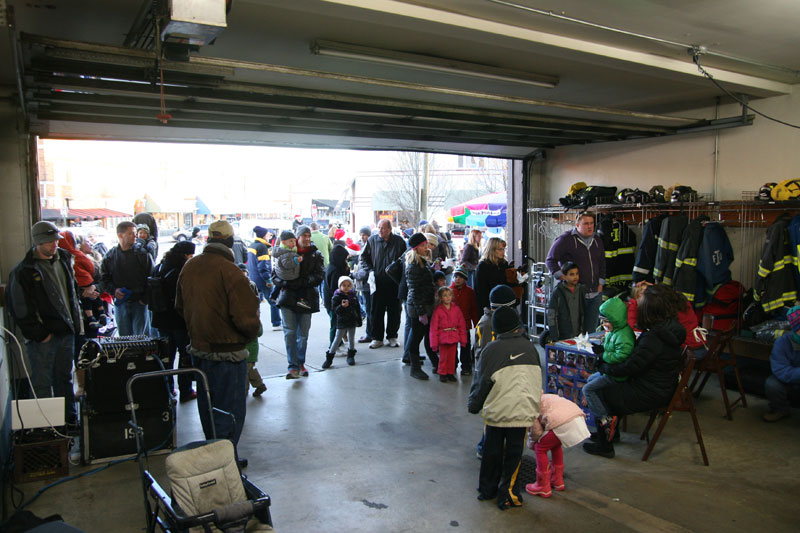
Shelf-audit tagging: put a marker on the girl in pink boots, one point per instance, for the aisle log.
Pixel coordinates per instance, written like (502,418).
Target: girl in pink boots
(448,330)
(561,423)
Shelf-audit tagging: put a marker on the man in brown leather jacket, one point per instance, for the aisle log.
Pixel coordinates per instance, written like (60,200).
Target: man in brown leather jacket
(222,316)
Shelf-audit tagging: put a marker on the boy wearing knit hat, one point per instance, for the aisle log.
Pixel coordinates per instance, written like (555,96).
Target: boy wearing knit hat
(144,241)
(783,384)
(464,298)
(506,390)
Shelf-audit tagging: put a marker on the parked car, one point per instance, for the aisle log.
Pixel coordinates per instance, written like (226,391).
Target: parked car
(186,233)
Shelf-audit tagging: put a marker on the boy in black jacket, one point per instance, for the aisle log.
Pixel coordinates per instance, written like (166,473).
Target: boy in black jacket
(506,388)
(565,310)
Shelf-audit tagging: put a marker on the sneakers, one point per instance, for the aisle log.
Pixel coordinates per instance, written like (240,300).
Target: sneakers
(365,338)
(418,373)
(774,416)
(259,391)
(392,343)
(302,304)
(277,328)
(375,344)
(303,371)
(293,374)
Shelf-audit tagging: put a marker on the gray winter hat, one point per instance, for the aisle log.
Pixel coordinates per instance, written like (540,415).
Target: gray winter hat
(43,232)
(301,230)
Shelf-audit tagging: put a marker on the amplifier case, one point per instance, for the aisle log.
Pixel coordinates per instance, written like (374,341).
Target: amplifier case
(109,436)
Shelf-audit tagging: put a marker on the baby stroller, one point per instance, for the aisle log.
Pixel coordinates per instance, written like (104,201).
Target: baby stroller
(207,490)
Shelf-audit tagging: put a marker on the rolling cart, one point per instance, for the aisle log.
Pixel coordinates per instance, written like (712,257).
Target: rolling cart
(207,488)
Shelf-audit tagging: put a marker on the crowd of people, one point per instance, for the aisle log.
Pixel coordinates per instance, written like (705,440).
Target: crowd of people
(463,310)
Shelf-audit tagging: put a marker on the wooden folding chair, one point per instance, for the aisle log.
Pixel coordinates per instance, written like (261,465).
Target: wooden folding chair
(681,401)
(713,363)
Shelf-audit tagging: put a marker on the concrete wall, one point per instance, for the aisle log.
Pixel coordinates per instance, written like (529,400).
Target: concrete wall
(747,156)
(15,220)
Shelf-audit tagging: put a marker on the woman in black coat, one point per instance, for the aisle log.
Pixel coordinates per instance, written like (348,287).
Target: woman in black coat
(337,267)
(168,322)
(491,271)
(651,370)
(420,300)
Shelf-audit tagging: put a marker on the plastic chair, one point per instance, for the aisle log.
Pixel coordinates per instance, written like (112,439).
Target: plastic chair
(713,363)
(681,401)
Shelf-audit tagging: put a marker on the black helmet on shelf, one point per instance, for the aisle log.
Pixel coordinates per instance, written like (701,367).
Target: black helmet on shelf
(683,193)
(765,192)
(622,195)
(657,194)
(637,196)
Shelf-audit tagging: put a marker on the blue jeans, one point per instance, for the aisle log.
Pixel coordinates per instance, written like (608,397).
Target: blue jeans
(274,314)
(295,336)
(471,278)
(51,371)
(132,318)
(227,382)
(596,382)
(591,312)
(780,394)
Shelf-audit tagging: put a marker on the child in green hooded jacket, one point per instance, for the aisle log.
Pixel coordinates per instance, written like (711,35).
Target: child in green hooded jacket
(617,346)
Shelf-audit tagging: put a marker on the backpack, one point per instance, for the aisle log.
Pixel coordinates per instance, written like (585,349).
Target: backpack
(155,293)
(727,305)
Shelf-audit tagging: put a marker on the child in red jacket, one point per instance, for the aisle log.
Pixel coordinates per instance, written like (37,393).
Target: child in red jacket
(464,298)
(448,329)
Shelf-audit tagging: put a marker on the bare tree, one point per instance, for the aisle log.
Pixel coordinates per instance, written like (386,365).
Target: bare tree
(492,175)
(408,189)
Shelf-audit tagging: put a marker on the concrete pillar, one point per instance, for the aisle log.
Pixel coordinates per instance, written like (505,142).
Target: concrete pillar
(516,208)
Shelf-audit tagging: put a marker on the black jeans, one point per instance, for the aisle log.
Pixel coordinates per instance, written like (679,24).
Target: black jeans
(179,340)
(385,301)
(420,332)
(502,454)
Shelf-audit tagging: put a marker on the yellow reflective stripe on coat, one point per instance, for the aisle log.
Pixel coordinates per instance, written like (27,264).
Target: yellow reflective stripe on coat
(668,245)
(263,257)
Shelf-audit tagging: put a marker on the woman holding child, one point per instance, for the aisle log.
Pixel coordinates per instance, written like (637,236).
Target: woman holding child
(651,369)
(491,271)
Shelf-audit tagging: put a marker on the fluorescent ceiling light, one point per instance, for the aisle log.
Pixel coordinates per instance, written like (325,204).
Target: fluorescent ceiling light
(436,64)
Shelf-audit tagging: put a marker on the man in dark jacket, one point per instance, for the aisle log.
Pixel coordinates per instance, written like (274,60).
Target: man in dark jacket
(380,251)
(580,246)
(44,302)
(297,320)
(125,271)
(506,389)
(222,316)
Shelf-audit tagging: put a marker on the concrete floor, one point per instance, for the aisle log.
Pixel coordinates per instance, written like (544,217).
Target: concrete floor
(367,448)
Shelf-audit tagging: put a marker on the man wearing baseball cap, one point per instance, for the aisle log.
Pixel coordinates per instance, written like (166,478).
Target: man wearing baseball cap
(44,301)
(222,317)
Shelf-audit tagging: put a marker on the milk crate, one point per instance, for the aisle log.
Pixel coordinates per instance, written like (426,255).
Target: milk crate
(36,461)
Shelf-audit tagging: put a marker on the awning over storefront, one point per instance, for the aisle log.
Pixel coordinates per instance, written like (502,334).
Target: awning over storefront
(83,214)
(202,208)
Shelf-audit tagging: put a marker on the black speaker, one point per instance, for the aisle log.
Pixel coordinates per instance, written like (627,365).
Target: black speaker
(111,361)
(110,436)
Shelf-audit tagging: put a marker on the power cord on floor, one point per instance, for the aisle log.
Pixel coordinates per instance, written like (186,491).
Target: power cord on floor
(140,452)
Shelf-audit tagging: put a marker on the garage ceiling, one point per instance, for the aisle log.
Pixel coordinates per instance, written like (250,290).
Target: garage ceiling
(621,68)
